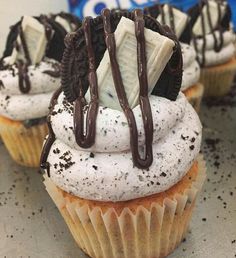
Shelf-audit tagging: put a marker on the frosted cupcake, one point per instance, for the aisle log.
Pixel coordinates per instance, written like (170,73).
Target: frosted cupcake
(126,184)
(179,23)
(213,40)
(29,74)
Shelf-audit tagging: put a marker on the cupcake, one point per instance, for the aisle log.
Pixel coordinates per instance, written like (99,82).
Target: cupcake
(29,74)
(126,184)
(179,22)
(213,40)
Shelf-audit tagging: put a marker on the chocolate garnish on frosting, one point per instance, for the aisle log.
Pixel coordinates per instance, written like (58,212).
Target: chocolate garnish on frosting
(51,135)
(22,65)
(221,27)
(158,9)
(83,43)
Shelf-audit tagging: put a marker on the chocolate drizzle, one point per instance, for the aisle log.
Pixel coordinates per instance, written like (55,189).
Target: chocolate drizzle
(56,73)
(47,27)
(87,140)
(217,44)
(143,96)
(1,85)
(157,9)
(24,81)
(24,45)
(87,44)
(51,136)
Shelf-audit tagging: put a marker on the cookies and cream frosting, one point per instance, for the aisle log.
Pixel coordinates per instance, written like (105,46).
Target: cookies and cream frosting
(44,80)
(105,172)
(191,69)
(212,57)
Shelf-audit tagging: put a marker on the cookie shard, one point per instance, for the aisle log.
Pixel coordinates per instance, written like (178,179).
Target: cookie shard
(214,16)
(180,19)
(159,50)
(36,41)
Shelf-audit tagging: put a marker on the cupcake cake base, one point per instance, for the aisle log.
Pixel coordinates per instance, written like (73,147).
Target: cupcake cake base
(194,95)
(218,80)
(147,227)
(24,144)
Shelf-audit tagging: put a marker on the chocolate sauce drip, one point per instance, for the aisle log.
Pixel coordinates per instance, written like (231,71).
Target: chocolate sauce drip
(1,85)
(56,73)
(172,18)
(143,95)
(24,45)
(24,81)
(51,136)
(47,27)
(217,44)
(87,140)
(161,11)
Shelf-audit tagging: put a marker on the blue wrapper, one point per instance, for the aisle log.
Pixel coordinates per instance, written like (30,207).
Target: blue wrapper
(83,8)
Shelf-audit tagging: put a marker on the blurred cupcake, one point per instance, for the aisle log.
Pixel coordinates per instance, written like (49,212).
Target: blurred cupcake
(179,23)
(126,184)
(213,40)
(29,74)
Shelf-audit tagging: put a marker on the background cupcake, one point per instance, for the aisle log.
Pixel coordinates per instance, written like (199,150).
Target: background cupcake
(179,22)
(116,202)
(30,73)
(213,40)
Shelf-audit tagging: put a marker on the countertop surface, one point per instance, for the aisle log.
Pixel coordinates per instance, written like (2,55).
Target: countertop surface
(31,226)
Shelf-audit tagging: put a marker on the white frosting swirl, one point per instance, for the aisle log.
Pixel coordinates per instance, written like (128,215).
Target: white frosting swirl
(106,172)
(211,56)
(19,106)
(191,69)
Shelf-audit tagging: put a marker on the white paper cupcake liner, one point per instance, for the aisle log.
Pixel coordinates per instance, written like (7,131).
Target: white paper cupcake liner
(153,230)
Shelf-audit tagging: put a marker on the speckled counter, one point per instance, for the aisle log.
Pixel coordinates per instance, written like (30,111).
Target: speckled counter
(31,226)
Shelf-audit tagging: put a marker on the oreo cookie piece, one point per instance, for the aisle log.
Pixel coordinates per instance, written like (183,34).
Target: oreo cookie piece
(75,59)
(155,10)
(55,46)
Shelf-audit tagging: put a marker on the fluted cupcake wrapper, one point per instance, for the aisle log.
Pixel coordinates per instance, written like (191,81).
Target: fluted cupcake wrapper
(141,232)
(218,80)
(23,144)
(194,95)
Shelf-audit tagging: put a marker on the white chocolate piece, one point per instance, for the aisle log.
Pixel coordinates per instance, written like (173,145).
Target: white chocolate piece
(214,15)
(180,19)
(35,37)
(159,49)
(64,23)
